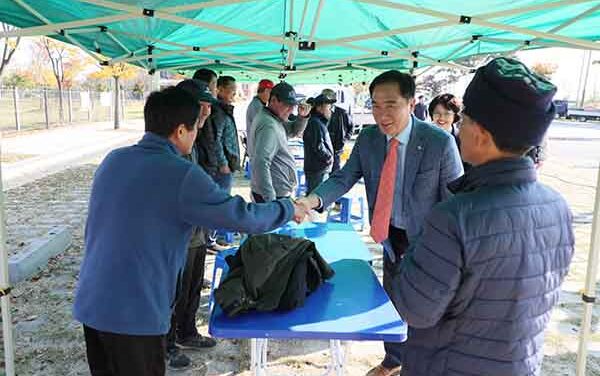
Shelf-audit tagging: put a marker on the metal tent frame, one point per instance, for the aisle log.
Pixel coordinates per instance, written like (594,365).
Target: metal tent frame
(294,53)
(208,55)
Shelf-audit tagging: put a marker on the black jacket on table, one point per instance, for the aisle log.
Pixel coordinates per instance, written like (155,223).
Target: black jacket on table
(318,151)
(271,272)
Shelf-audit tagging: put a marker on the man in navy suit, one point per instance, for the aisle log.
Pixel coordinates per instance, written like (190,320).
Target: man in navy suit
(406,165)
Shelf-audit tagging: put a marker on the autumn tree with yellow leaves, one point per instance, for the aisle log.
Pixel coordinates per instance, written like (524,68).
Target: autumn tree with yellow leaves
(118,71)
(545,69)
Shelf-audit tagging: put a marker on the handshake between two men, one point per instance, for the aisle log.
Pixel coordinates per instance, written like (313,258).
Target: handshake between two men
(304,205)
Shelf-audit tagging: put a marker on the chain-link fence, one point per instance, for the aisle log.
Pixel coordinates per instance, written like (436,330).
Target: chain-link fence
(25,109)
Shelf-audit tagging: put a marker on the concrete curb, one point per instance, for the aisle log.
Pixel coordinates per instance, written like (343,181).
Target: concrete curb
(35,258)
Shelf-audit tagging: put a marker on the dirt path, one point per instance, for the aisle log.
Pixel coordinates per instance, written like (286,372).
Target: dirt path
(49,342)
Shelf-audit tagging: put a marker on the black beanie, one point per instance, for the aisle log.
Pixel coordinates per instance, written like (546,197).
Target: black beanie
(511,102)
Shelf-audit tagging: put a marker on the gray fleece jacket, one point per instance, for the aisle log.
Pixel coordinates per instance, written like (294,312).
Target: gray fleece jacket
(273,166)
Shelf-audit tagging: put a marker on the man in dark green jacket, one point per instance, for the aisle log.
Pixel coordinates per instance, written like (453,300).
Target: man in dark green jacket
(183,332)
(340,128)
(226,144)
(318,150)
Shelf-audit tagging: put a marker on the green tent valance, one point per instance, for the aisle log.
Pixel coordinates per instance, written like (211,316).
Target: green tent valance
(305,40)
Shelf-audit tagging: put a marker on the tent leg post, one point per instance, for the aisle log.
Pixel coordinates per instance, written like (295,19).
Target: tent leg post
(336,366)
(7,329)
(589,294)
(258,356)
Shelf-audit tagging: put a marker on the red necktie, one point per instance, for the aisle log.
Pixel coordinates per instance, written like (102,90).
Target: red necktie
(382,214)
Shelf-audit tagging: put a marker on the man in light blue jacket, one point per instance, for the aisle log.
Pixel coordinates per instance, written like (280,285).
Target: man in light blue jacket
(145,201)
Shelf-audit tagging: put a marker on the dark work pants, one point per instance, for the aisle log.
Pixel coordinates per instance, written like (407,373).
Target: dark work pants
(336,160)
(399,241)
(111,354)
(183,320)
(313,179)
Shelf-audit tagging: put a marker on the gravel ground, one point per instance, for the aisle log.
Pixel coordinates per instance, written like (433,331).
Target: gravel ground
(49,342)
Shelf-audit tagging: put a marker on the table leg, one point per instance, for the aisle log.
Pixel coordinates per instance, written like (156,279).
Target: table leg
(337,357)
(258,356)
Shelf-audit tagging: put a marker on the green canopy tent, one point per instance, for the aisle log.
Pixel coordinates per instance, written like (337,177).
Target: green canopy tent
(307,41)
(302,39)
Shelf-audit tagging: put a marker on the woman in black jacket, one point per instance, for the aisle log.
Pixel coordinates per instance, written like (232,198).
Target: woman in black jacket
(445,113)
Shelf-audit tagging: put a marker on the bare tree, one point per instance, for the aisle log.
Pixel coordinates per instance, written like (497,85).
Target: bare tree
(57,53)
(440,78)
(437,82)
(9,46)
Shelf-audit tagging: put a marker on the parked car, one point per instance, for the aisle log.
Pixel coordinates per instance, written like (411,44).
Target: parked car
(583,114)
(562,108)
(361,118)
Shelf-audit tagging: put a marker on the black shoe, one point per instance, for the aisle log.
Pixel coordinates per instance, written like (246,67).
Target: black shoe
(176,360)
(197,342)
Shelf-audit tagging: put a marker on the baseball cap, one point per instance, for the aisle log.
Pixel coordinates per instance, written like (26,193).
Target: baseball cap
(322,98)
(266,84)
(285,93)
(199,90)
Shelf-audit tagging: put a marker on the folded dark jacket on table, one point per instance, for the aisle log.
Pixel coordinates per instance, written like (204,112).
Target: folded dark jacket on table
(271,272)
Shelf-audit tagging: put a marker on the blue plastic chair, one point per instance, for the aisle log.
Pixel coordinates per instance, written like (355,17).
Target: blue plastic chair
(301,188)
(247,170)
(228,236)
(345,215)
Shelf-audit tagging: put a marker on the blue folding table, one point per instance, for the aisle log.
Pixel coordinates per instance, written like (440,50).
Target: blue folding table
(339,242)
(350,306)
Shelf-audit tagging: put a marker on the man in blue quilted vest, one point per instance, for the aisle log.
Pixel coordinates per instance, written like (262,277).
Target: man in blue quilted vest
(478,287)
